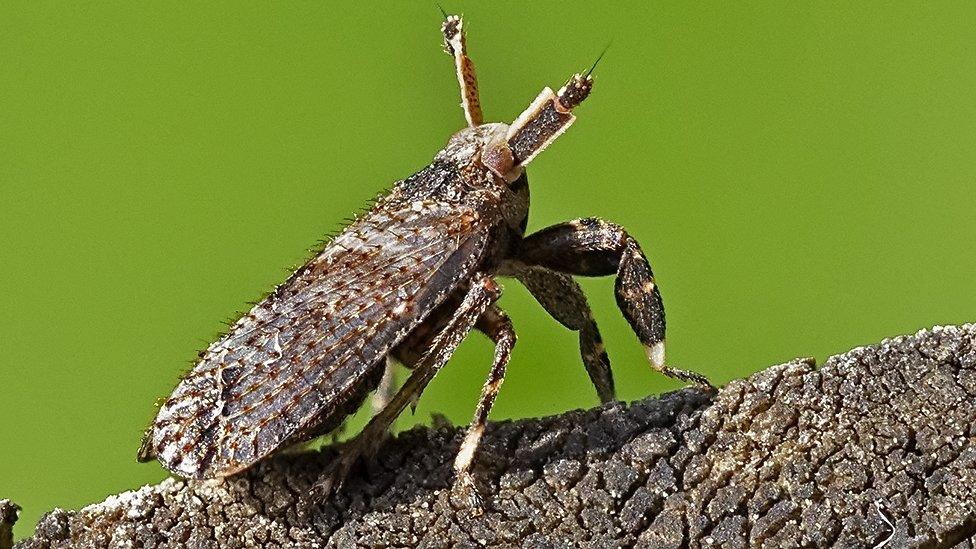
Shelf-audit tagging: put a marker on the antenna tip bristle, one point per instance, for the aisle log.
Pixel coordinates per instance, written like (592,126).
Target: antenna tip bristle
(599,57)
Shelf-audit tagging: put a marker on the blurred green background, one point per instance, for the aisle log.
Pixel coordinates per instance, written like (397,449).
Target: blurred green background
(801,175)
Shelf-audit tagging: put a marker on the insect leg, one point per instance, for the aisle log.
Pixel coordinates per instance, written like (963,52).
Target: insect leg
(562,297)
(498,327)
(454,44)
(414,346)
(593,247)
(384,392)
(482,292)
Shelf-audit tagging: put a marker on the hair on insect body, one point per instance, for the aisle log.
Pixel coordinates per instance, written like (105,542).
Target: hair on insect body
(404,283)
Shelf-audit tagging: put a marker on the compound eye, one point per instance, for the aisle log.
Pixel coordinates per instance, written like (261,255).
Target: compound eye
(498,158)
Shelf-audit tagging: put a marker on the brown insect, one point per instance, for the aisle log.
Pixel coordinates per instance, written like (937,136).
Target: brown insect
(406,282)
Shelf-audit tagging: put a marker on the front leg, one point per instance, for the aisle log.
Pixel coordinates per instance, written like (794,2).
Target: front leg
(593,247)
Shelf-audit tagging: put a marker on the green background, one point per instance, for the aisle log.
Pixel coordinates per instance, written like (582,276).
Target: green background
(801,175)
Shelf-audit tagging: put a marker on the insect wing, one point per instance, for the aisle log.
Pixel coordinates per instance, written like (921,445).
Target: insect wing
(301,350)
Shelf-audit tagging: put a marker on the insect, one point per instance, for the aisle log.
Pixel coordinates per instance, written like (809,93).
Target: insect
(405,283)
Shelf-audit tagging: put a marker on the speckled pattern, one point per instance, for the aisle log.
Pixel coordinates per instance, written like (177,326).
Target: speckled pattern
(874,446)
(304,358)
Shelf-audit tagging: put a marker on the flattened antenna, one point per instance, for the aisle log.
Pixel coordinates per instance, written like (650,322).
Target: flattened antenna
(454,44)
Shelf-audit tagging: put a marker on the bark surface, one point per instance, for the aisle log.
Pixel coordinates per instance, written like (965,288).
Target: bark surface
(873,448)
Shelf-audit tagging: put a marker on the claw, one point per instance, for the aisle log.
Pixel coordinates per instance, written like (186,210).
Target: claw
(465,490)
(329,483)
(334,477)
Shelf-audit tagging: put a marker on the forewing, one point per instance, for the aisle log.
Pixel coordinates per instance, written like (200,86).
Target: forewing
(300,350)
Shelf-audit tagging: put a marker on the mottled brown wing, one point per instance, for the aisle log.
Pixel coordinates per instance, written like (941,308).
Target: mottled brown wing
(302,349)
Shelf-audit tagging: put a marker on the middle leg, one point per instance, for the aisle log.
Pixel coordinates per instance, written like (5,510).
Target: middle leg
(495,324)
(482,292)
(498,327)
(564,300)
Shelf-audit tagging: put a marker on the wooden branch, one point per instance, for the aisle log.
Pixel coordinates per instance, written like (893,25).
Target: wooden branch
(873,448)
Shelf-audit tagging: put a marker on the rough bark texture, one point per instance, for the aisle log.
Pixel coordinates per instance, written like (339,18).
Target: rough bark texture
(875,447)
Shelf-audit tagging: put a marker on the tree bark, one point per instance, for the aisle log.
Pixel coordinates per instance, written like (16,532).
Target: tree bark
(874,448)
